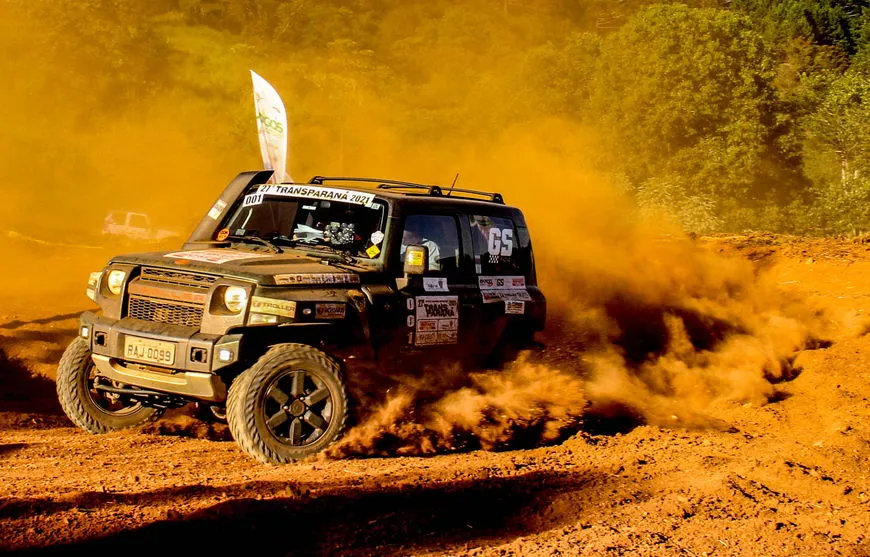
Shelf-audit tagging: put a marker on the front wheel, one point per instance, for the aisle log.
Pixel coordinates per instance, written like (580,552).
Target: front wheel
(89,406)
(292,403)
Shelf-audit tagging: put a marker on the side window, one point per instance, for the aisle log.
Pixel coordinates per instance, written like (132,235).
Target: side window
(497,249)
(440,234)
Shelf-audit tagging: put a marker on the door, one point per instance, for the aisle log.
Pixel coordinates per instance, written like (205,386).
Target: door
(503,278)
(437,316)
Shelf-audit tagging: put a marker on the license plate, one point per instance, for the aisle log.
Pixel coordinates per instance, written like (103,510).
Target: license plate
(151,351)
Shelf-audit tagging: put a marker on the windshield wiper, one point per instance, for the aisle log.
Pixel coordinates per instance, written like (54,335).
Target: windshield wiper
(283,240)
(256,240)
(343,256)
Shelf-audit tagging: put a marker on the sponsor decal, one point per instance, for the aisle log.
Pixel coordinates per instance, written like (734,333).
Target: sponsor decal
(214,255)
(377,237)
(317,192)
(504,295)
(414,258)
(514,307)
(217,209)
(437,307)
(427,325)
(501,283)
(373,251)
(329,311)
(437,320)
(317,278)
(271,306)
(435,284)
(223,234)
(508,288)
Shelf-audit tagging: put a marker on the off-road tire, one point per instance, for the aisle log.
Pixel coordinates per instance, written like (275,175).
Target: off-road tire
(73,391)
(248,399)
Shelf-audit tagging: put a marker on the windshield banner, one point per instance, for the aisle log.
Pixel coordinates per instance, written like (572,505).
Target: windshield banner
(272,128)
(332,194)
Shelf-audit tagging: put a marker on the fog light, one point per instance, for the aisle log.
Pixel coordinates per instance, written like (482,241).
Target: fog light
(225,355)
(260,318)
(86,331)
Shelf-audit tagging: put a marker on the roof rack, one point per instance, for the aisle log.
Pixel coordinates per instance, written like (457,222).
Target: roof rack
(434,191)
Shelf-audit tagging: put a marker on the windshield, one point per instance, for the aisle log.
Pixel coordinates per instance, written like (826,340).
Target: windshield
(354,227)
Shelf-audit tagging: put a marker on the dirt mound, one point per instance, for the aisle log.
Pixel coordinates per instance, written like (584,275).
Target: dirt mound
(26,398)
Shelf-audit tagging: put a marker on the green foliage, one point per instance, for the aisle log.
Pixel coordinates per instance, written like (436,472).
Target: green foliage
(688,92)
(558,76)
(104,52)
(839,23)
(838,131)
(667,195)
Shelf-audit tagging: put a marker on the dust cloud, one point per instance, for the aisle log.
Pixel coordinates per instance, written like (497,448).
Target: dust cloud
(640,315)
(644,321)
(446,408)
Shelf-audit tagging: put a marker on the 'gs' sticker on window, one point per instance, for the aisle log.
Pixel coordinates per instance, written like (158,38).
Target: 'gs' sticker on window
(501,241)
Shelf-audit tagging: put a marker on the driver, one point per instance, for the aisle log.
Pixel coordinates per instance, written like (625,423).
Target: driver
(413,237)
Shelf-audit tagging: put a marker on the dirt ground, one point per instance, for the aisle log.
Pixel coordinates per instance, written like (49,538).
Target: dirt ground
(786,477)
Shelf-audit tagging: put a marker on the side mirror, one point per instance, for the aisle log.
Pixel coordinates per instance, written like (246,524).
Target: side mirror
(416,260)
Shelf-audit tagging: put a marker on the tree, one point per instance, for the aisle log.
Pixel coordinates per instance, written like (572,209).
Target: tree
(837,23)
(685,95)
(839,128)
(557,76)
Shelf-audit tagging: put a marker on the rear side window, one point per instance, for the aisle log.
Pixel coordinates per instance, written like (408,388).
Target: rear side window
(497,247)
(440,234)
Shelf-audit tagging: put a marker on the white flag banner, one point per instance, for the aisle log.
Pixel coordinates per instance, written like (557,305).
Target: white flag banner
(272,128)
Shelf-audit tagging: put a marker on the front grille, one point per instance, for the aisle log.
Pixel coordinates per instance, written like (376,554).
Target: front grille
(164,311)
(165,276)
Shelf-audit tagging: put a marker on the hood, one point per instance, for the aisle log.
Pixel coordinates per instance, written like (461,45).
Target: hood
(291,267)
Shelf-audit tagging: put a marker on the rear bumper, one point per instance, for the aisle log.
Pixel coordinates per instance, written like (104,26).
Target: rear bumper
(192,374)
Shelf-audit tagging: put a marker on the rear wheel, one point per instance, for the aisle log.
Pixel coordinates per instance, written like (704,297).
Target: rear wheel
(85,401)
(289,405)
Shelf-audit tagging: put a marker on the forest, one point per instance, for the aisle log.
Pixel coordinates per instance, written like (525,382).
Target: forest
(728,115)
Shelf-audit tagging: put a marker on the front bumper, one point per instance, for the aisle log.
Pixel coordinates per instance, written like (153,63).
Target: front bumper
(197,356)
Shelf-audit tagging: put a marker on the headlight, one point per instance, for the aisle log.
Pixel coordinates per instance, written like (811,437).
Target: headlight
(235,298)
(115,281)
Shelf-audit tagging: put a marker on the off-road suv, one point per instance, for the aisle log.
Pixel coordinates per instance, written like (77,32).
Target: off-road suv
(281,285)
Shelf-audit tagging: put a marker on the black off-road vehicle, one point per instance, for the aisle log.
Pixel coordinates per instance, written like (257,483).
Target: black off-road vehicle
(279,285)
